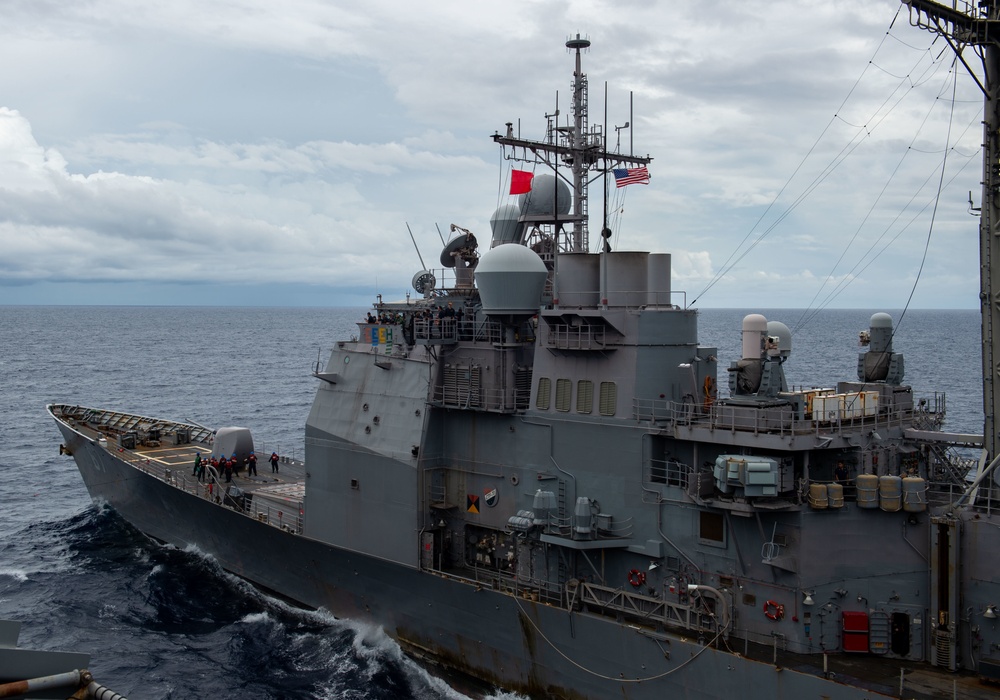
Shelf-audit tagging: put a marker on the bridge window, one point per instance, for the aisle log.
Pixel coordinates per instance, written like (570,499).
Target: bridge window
(544,393)
(584,396)
(564,388)
(609,398)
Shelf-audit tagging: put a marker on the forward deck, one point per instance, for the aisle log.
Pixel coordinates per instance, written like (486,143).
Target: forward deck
(166,450)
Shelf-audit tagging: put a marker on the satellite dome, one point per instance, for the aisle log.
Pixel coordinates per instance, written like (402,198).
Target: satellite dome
(754,328)
(511,279)
(881,333)
(505,226)
(880,320)
(538,202)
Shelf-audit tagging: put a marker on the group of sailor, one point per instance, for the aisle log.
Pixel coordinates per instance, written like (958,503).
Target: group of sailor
(444,322)
(439,313)
(385,318)
(228,466)
(429,322)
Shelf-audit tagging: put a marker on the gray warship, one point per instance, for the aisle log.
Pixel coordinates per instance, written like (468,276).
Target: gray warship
(527,472)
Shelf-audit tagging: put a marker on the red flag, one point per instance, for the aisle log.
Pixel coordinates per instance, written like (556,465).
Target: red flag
(520,181)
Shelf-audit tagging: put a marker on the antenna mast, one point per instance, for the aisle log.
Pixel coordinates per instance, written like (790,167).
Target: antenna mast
(577,146)
(979,25)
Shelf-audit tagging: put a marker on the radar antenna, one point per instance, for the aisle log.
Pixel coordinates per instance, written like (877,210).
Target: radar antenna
(578,146)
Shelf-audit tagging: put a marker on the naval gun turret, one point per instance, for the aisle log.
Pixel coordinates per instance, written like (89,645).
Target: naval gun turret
(766,346)
(879,363)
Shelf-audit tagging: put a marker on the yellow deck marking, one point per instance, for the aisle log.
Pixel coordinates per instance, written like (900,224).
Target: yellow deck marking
(171,456)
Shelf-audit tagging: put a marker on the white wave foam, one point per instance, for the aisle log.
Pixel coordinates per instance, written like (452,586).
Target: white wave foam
(505,695)
(192,548)
(19,575)
(254,618)
(373,644)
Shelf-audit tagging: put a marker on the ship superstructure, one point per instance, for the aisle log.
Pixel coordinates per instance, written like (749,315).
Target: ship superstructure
(528,472)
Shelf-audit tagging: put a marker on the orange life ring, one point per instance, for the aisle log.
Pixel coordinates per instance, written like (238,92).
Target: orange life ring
(709,388)
(636,578)
(774,610)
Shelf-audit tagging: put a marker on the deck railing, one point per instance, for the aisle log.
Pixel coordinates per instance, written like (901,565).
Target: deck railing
(780,420)
(614,601)
(213,489)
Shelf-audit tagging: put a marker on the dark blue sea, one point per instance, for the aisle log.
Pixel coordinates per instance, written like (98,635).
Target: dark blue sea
(165,623)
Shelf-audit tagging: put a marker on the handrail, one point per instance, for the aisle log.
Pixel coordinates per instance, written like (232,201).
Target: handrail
(214,490)
(780,420)
(618,600)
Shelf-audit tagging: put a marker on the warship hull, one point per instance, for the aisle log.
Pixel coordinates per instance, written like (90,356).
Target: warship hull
(511,641)
(529,474)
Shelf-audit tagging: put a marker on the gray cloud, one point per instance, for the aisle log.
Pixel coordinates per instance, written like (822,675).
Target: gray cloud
(225,144)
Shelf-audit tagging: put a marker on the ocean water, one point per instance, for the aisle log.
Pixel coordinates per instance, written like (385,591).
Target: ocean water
(164,623)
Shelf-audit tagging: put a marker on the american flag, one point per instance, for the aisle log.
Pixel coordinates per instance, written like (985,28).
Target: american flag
(630,176)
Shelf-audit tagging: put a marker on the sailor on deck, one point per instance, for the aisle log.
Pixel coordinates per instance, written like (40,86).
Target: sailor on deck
(840,473)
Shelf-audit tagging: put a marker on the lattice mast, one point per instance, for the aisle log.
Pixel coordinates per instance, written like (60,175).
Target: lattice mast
(977,24)
(575,147)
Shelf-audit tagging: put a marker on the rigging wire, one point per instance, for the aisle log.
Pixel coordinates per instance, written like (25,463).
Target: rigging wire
(930,229)
(912,79)
(616,203)
(729,264)
(851,274)
(617,216)
(613,678)
(812,309)
(874,256)
(930,226)
(503,179)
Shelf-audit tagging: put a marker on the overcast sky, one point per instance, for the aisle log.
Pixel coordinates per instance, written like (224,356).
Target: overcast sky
(252,152)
